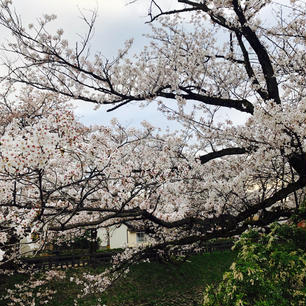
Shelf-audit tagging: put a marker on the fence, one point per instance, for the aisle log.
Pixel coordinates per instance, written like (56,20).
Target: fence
(67,261)
(94,259)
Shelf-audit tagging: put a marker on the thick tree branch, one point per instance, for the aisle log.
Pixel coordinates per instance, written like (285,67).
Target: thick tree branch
(261,53)
(241,105)
(249,69)
(225,152)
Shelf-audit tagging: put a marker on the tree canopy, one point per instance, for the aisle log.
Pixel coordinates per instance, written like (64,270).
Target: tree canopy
(60,178)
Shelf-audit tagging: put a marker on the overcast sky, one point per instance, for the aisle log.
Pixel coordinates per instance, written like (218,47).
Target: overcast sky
(116,23)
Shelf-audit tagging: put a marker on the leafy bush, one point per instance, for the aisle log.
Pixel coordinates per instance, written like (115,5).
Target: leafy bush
(270,270)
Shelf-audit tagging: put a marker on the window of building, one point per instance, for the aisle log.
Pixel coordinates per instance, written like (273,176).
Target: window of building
(140,237)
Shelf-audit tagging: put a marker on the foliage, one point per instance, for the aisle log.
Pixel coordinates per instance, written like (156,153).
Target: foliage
(270,270)
(300,214)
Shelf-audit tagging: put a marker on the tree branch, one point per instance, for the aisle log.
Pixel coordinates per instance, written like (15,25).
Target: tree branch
(225,152)
(241,105)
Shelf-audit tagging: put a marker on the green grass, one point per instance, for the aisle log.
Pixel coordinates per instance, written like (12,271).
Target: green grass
(151,284)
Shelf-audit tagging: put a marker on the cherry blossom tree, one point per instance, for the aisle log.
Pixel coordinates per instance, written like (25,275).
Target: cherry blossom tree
(59,177)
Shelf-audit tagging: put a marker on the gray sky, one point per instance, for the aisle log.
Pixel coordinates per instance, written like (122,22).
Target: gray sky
(116,23)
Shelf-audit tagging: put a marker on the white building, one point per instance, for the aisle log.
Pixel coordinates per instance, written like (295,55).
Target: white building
(120,237)
(27,246)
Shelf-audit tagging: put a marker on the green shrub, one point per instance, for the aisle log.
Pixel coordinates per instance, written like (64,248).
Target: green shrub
(270,270)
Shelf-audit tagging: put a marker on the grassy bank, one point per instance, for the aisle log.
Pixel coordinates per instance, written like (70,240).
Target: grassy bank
(151,284)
